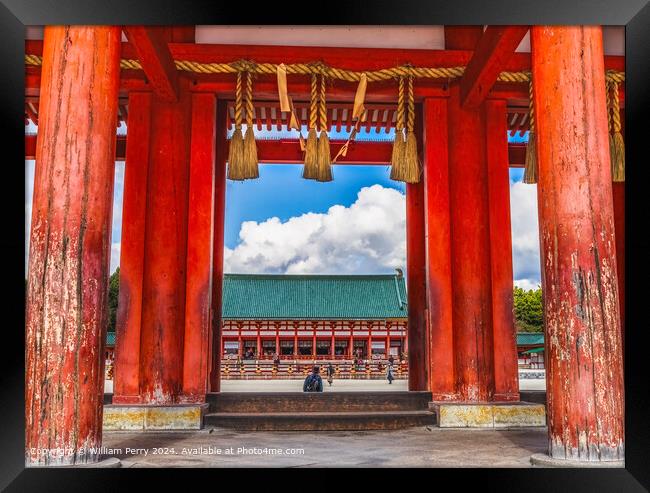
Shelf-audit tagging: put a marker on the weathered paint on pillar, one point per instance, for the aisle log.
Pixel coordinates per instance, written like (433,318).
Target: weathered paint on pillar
(506,378)
(217,245)
(163,303)
(416,290)
(470,249)
(198,287)
(618,190)
(438,250)
(69,254)
(126,386)
(584,372)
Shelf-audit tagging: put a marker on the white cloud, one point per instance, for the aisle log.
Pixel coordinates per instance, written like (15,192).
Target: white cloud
(367,237)
(525,235)
(115,256)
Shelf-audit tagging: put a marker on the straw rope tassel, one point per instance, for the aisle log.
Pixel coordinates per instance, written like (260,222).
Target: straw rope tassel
(397,157)
(411,164)
(617,148)
(310,170)
(236,149)
(530,168)
(250,149)
(324,155)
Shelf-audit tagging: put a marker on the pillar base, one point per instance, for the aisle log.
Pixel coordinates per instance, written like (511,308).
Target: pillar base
(155,418)
(544,460)
(489,414)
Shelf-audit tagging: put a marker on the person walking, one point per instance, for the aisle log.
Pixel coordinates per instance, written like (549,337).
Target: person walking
(313,382)
(389,374)
(330,373)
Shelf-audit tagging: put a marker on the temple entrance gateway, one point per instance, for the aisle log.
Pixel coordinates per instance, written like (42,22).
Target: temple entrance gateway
(451,150)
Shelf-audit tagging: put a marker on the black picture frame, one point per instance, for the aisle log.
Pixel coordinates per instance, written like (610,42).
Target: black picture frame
(634,14)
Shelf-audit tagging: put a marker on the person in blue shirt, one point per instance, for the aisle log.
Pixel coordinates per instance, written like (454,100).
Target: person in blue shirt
(313,382)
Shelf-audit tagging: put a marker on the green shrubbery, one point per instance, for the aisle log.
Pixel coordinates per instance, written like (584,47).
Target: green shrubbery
(528,310)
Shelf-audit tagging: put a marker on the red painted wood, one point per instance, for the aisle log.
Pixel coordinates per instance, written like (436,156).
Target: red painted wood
(126,387)
(198,286)
(462,37)
(69,254)
(506,378)
(288,151)
(163,308)
(416,284)
(618,190)
(584,371)
(470,248)
(150,44)
(494,49)
(438,250)
(218,245)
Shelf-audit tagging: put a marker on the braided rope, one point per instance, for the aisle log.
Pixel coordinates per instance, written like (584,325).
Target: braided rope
(531,109)
(616,109)
(608,95)
(313,111)
(320,68)
(249,100)
(411,106)
(399,124)
(323,106)
(238,102)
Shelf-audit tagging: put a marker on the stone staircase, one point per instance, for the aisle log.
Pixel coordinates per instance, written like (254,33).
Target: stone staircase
(327,411)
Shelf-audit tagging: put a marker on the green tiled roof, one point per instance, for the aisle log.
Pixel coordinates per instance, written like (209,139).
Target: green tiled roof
(264,296)
(529,338)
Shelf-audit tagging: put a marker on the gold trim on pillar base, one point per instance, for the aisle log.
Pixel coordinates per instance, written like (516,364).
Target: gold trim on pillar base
(489,414)
(153,417)
(507,397)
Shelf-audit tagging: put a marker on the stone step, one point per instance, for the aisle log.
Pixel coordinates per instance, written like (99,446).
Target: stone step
(308,402)
(320,421)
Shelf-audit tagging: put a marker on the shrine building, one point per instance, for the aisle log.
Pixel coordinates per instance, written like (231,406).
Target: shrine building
(314,316)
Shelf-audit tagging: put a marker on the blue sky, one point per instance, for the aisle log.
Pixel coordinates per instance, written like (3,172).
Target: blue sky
(281,223)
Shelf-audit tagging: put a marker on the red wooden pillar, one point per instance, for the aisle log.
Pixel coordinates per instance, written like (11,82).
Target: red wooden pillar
(506,374)
(126,388)
(198,287)
(416,281)
(70,245)
(470,248)
(618,190)
(163,303)
(438,250)
(217,245)
(584,373)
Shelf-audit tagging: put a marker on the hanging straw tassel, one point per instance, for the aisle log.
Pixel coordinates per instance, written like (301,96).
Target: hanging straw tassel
(324,156)
(530,168)
(310,170)
(250,149)
(236,150)
(617,146)
(411,165)
(397,158)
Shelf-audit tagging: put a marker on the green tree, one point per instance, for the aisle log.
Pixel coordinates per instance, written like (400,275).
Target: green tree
(528,310)
(113,293)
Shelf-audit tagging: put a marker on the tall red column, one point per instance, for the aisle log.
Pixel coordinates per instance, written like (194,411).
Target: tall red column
(470,248)
(416,287)
(163,293)
(198,287)
(438,250)
(584,374)
(506,378)
(70,245)
(618,190)
(126,387)
(217,245)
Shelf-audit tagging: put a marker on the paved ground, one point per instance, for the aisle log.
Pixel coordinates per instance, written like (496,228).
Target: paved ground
(414,447)
(338,385)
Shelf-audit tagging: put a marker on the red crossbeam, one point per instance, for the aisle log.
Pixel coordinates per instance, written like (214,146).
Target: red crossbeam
(494,50)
